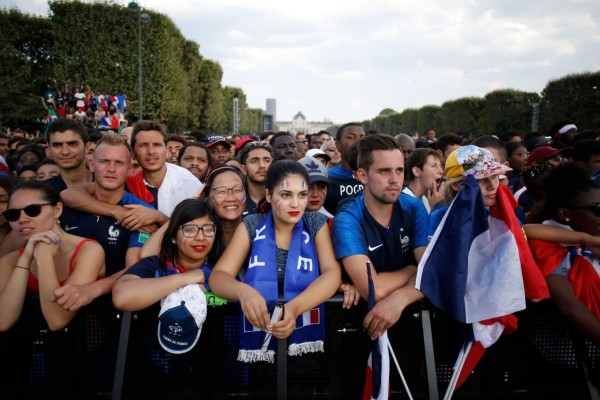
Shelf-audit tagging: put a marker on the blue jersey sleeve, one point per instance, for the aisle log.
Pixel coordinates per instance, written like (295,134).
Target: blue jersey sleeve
(435,218)
(348,234)
(145,268)
(421,219)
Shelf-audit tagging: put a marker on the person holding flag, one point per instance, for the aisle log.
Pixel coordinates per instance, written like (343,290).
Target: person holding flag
(483,275)
(388,231)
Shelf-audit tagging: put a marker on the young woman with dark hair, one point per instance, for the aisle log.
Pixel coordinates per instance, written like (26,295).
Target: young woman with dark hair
(291,264)
(189,247)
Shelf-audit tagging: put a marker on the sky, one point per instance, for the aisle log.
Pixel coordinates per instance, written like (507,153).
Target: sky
(348,60)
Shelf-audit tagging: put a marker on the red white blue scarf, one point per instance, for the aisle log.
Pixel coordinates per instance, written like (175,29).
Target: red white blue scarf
(301,269)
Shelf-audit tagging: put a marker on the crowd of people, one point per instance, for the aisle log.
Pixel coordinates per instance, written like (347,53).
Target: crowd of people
(100,110)
(279,223)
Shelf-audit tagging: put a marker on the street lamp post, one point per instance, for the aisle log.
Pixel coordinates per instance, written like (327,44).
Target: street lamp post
(142,17)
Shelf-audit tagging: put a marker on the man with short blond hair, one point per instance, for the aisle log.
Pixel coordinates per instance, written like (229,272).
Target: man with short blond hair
(110,165)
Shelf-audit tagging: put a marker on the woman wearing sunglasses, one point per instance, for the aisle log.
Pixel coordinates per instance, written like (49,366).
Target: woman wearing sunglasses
(50,258)
(569,253)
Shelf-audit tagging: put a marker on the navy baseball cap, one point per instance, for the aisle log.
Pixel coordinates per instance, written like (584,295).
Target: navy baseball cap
(180,319)
(214,139)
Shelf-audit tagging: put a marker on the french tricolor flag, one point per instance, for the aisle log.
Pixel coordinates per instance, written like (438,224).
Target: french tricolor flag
(478,267)
(377,381)
(310,317)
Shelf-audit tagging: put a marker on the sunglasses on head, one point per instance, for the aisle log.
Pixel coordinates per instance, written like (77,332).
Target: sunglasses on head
(32,210)
(593,208)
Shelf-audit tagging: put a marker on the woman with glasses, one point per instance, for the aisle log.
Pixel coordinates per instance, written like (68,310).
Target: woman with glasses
(225,191)
(50,258)
(189,247)
(291,269)
(567,246)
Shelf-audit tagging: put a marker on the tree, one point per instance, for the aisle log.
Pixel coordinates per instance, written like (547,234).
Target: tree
(409,121)
(507,110)
(429,117)
(571,98)
(462,115)
(26,51)
(212,118)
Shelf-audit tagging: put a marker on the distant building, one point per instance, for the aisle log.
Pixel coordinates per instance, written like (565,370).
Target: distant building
(300,124)
(272,108)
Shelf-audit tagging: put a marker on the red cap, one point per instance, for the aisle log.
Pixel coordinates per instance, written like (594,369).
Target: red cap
(242,142)
(544,153)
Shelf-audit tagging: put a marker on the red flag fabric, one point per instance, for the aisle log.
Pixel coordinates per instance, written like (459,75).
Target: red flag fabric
(533,280)
(138,188)
(582,276)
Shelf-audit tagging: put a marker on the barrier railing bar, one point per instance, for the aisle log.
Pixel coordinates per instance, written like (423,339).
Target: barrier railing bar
(429,355)
(121,356)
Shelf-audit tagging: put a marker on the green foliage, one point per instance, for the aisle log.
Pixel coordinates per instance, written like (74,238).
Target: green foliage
(26,44)
(409,119)
(212,118)
(252,121)
(96,46)
(573,98)
(429,117)
(387,111)
(462,115)
(507,110)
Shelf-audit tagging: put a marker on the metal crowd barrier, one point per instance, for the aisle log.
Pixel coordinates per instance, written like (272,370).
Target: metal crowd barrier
(104,353)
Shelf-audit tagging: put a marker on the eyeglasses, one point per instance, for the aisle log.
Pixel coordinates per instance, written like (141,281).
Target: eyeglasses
(558,158)
(191,231)
(32,210)
(222,192)
(593,208)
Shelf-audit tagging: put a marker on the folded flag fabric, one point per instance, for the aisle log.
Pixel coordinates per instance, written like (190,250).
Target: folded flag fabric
(478,267)
(471,268)
(378,366)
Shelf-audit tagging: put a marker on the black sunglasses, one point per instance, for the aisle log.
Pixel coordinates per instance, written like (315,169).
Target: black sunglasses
(32,210)
(594,209)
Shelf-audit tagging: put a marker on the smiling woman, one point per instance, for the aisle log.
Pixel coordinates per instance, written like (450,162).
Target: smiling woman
(292,268)
(189,247)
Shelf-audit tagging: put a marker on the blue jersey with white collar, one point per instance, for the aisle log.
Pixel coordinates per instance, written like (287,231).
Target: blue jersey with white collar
(355,231)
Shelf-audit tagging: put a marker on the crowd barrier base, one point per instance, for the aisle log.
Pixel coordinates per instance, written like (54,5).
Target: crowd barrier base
(106,354)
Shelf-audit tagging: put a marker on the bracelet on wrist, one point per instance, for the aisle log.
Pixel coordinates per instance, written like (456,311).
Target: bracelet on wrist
(18,266)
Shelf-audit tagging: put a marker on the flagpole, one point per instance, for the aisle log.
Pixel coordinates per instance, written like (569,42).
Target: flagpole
(458,366)
(389,345)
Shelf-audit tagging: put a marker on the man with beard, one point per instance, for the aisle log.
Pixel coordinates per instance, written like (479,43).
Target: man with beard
(386,232)
(159,183)
(256,157)
(67,139)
